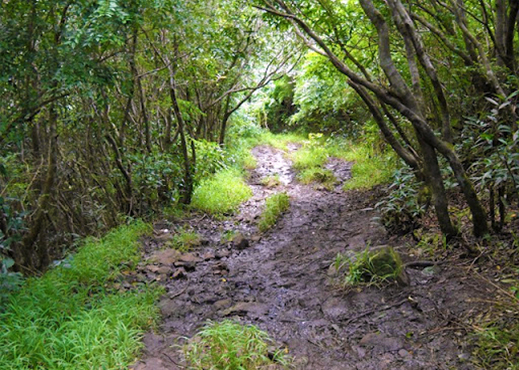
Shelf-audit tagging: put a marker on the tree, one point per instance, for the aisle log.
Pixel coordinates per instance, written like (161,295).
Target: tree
(405,72)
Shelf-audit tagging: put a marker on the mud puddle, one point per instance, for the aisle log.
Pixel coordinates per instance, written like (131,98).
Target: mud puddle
(282,282)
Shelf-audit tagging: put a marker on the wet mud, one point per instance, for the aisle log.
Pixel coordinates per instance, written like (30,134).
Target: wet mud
(282,282)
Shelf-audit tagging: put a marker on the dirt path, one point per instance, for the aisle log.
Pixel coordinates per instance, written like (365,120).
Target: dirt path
(282,283)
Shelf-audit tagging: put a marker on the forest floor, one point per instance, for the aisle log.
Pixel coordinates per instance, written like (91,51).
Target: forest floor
(282,282)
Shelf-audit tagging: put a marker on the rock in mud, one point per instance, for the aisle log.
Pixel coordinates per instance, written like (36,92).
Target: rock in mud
(168,307)
(240,242)
(242,308)
(165,257)
(223,253)
(179,273)
(189,257)
(222,303)
(208,256)
(153,268)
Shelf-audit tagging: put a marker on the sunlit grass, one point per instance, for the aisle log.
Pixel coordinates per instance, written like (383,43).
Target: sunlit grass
(222,194)
(370,168)
(275,205)
(317,175)
(72,318)
(309,157)
(280,141)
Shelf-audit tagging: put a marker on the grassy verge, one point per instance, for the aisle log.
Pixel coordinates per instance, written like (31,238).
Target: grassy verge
(498,346)
(275,205)
(229,346)
(369,169)
(71,318)
(223,193)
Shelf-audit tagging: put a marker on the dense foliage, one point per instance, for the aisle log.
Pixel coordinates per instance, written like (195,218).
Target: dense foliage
(114,109)
(439,81)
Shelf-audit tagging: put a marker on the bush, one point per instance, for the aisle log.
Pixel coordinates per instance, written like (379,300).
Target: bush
(406,203)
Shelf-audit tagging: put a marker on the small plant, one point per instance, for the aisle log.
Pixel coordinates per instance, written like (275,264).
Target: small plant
(230,346)
(222,194)
(275,205)
(228,236)
(184,240)
(371,266)
(270,181)
(407,202)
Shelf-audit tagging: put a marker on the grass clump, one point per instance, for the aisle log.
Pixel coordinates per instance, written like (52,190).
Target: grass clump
(230,346)
(221,194)
(71,318)
(371,266)
(184,240)
(319,175)
(271,181)
(275,205)
(310,157)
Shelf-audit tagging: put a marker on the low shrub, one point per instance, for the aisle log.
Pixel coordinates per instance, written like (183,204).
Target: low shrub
(230,346)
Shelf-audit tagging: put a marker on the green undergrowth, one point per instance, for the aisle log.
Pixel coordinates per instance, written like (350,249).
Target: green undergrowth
(231,346)
(184,240)
(72,318)
(370,168)
(370,266)
(275,205)
(498,346)
(223,193)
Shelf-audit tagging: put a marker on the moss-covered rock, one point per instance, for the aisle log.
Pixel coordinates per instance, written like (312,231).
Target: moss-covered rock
(377,265)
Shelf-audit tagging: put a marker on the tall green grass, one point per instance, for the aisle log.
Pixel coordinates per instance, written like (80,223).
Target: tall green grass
(275,205)
(72,318)
(223,193)
(370,168)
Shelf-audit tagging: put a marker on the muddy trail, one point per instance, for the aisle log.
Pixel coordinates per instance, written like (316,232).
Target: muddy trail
(282,282)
